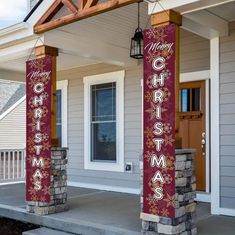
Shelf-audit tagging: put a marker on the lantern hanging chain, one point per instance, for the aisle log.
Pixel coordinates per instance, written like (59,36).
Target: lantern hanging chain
(138,15)
(157,2)
(38,39)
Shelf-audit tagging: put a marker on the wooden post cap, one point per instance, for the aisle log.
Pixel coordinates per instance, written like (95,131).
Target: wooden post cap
(46,50)
(166,17)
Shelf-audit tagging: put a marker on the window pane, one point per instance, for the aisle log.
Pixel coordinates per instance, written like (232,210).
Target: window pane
(185,100)
(103,141)
(104,102)
(196,99)
(59,116)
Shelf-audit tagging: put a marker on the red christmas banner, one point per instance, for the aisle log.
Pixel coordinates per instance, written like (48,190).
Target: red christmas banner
(159,121)
(38,129)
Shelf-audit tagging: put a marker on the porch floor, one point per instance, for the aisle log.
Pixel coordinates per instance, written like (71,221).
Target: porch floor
(93,212)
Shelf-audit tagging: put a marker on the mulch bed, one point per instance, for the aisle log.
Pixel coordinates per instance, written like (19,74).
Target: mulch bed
(13,227)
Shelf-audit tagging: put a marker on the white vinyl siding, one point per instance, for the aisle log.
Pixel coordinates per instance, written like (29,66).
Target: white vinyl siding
(132,123)
(13,128)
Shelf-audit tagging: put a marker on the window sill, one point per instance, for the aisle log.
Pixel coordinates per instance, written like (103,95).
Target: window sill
(104,166)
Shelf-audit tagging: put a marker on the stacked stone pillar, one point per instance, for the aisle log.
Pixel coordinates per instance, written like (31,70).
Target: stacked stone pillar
(58,189)
(185,188)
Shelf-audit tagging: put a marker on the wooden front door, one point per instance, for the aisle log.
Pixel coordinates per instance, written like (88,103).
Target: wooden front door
(192,126)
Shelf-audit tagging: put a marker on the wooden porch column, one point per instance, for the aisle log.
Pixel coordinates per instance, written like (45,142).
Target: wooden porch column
(42,51)
(158,20)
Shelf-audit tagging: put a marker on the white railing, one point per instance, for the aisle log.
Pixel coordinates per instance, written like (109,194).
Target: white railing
(12,165)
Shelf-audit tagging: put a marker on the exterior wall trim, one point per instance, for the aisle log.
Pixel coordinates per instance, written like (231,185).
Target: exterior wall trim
(215,151)
(63,86)
(203,75)
(117,77)
(104,187)
(226,211)
(13,107)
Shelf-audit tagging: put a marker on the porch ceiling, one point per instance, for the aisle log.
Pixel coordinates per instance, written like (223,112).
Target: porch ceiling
(104,38)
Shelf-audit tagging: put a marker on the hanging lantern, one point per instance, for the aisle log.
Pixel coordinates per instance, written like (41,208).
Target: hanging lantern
(136,50)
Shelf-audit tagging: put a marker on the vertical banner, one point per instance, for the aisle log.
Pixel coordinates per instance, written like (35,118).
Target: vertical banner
(38,129)
(159,121)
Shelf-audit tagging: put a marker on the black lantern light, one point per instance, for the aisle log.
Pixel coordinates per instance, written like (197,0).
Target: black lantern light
(136,50)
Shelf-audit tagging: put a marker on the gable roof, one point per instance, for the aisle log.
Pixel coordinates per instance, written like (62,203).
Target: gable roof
(10,93)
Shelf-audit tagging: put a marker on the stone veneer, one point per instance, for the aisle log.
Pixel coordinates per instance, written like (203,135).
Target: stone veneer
(58,201)
(185,188)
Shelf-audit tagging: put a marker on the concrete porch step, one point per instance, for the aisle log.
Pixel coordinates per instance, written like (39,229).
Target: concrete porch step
(45,231)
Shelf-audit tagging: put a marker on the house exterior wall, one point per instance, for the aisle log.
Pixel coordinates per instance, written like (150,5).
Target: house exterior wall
(194,52)
(132,134)
(227,119)
(13,128)
(199,60)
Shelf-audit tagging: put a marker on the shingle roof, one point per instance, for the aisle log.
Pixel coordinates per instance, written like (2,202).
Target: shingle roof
(10,93)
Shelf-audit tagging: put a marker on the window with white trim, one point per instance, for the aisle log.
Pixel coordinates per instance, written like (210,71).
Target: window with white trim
(104,121)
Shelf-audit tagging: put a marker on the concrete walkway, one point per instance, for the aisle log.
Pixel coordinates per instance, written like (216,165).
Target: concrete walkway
(95,212)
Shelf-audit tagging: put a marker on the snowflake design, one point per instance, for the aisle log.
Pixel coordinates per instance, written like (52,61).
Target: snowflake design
(149,82)
(37,64)
(33,124)
(168,179)
(160,34)
(32,191)
(148,155)
(166,53)
(170,163)
(33,82)
(150,33)
(151,199)
(30,141)
(152,55)
(149,132)
(167,128)
(43,199)
(154,185)
(46,190)
(148,96)
(45,174)
(31,101)
(31,149)
(47,163)
(153,110)
(45,137)
(30,114)
(150,144)
(34,198)
(168,140)
(165,212)
(167,94)
(154,210)
(170,200)
(46,146)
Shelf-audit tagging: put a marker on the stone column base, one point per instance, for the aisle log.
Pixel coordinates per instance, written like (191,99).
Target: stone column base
(58,188)
(185,188)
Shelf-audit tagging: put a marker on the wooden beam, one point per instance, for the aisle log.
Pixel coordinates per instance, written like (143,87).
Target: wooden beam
(85,13)
(81,4)
(42,51)
(70,5)
(158,20)
(51,12)
(90,3)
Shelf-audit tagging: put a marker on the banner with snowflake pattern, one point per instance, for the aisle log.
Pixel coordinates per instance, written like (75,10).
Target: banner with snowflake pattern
(159,121)
(38,129)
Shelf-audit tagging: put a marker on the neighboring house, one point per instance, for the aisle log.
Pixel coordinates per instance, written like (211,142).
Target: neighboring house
(12,115)
(94,67)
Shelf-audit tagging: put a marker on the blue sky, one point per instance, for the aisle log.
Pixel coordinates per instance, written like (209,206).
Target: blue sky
(12,12)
